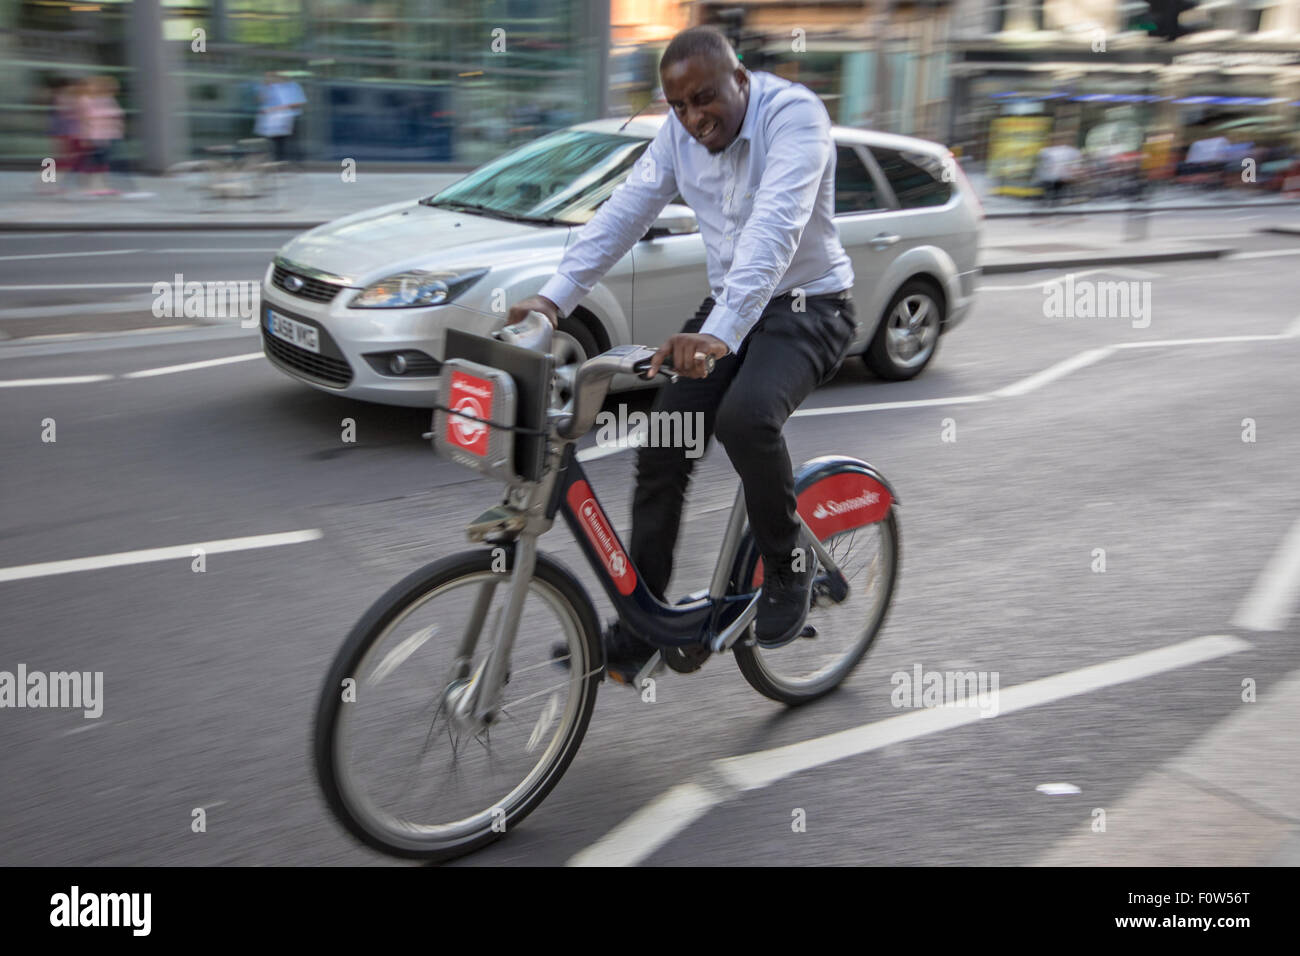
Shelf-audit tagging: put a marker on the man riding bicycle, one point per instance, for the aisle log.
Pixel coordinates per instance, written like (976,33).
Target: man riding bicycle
(752,154)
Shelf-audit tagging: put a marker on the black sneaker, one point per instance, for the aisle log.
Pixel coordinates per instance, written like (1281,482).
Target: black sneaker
(625,654)
(783,605)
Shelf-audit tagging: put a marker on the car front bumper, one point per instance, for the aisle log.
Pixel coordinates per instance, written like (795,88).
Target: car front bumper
(354,342)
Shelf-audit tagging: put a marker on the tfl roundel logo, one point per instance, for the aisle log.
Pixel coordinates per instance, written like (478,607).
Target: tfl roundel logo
(473,396)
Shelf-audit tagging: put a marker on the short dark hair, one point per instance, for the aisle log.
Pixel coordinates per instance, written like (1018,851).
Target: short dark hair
(706,41)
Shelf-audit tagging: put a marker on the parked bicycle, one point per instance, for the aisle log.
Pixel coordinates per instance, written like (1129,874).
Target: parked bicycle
(241,170)
(445,720)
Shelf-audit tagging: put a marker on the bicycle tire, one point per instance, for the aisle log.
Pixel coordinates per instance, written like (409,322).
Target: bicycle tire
(749,657)
(373,626)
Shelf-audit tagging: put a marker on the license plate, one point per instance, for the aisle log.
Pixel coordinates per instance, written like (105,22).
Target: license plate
(297,333)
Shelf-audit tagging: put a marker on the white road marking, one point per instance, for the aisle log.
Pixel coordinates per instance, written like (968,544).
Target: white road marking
(148,284)
(221,249)
(882,406)
(651,827)
(1265,254)
(1051,374)
(1270,602)
(52,336)
(121,558)
(1212,340)
(604,451)
(82,728)
(142,304)
(72,255)
(1117,270)
(65,380)
(189,366)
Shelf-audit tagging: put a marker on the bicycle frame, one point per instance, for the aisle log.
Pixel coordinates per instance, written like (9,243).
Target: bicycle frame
(713,619)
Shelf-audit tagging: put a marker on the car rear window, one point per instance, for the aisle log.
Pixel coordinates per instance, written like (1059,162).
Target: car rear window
(855,189)
(916,178)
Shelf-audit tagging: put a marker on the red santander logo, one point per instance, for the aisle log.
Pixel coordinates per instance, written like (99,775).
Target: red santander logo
(597,528)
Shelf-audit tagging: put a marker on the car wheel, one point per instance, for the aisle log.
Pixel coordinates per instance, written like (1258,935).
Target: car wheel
(571,345)
(908,334)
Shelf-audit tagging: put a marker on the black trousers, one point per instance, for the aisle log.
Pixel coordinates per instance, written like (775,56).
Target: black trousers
(745,401)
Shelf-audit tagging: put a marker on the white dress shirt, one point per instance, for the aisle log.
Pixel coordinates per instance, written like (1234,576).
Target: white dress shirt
(765,205)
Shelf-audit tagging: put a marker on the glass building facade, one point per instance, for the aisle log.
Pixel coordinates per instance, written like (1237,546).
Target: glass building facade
(418,81)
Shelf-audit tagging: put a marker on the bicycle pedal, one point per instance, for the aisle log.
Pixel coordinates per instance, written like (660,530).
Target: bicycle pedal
(651,668)
(496,520)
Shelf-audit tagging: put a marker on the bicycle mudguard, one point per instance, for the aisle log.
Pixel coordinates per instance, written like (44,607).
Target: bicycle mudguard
(834,493)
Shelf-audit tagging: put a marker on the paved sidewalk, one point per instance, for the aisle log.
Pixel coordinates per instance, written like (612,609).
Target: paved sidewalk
(306,200)
(1231,799)
(1010,244)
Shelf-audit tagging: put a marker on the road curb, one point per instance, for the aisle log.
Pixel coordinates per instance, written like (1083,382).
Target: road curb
(1071,262)
(1118,208)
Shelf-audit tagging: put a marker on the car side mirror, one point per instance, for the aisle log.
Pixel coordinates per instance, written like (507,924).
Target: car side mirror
(674,220)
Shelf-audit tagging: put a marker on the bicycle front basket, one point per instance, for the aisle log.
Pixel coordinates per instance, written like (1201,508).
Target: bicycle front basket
(473,425)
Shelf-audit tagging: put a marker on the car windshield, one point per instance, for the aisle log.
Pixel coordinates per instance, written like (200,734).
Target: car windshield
(560,178)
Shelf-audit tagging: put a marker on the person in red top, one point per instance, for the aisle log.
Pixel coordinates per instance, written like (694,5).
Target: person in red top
(101,128)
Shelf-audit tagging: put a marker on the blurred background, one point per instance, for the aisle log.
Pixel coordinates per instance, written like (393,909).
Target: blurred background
(1129,84)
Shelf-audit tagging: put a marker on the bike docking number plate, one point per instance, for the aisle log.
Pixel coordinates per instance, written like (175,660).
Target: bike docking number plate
(480,394)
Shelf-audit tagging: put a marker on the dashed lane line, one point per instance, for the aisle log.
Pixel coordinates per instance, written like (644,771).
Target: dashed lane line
(64,380)
(189,366)
(122,558)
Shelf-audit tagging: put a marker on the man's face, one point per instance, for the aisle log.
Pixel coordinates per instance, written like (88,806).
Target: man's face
(709,98)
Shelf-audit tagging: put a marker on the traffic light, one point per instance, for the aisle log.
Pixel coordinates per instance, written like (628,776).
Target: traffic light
(731,21)
(1159,18)
(748,45)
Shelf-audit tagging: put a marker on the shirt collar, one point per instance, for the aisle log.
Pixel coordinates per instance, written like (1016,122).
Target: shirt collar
(751,110)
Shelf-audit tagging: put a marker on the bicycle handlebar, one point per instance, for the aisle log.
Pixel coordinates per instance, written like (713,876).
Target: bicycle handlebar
(591,384)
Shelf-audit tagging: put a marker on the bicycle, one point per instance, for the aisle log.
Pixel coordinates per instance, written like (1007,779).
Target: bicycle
(439,665)
(242,170)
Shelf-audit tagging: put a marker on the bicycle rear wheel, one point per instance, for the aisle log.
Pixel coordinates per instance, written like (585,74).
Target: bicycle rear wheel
(400,769)
(810,667)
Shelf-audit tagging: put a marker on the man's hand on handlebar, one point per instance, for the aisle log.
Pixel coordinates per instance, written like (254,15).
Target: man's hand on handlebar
(689,353)
(534,303)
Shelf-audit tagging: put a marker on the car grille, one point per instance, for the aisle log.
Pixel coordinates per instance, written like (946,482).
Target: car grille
(316,290)
(319,368)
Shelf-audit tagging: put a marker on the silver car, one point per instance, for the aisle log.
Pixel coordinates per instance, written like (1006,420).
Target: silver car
(359,306)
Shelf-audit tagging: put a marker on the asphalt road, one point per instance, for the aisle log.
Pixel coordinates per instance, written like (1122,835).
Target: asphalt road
(211,678)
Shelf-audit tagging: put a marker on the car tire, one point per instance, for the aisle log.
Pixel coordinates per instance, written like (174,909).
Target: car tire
(908,334)
(573,344)
(581,334)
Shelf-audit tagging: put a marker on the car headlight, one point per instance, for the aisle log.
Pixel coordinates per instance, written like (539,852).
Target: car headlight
(414,289)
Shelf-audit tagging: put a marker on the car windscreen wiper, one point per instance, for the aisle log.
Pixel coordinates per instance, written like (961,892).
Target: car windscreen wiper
(463,206)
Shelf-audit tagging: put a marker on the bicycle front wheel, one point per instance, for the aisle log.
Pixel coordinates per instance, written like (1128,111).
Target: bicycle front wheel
(401,767)
(838,634)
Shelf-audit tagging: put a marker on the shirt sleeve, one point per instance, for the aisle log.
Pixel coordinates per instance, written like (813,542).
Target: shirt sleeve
(617,225)
(800,141)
